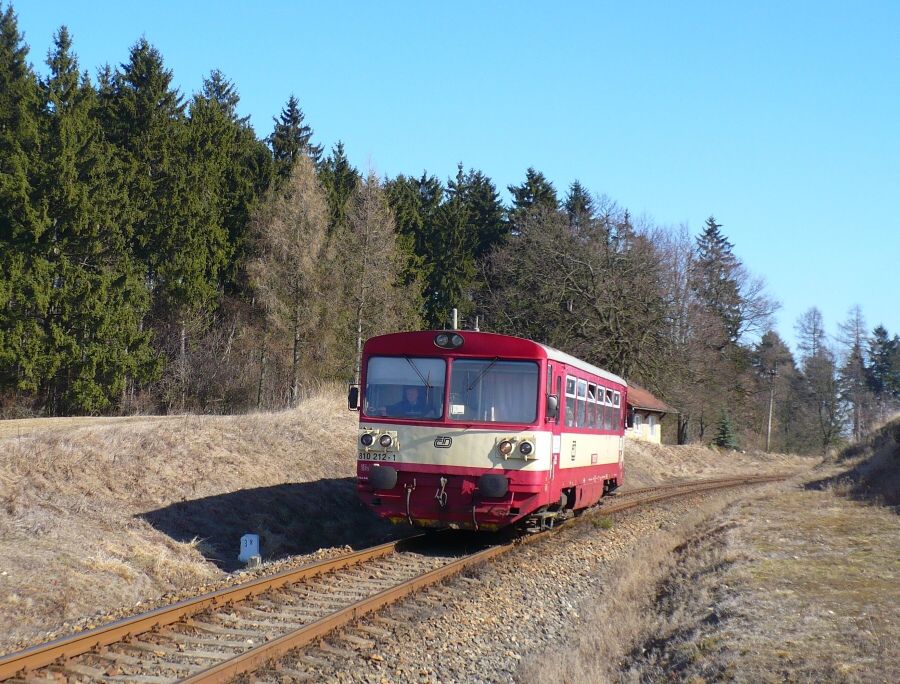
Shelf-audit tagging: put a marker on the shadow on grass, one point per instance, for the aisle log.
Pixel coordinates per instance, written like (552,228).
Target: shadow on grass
(295,518)
(876,477)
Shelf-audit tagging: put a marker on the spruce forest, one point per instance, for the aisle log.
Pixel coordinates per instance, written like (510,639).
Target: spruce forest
(158,255)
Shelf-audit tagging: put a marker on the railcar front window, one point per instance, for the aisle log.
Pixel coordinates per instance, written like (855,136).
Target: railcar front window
(493,391)
(405,387)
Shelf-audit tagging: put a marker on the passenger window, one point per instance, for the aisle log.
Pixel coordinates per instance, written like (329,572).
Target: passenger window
(592,406)
(570,402)
(582,392)
(601,409)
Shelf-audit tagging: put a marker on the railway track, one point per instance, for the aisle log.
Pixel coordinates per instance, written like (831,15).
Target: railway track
(217,636)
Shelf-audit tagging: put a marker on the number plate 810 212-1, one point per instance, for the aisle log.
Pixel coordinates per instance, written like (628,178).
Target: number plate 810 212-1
(371,456)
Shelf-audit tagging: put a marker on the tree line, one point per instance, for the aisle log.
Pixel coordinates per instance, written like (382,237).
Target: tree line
(157,255)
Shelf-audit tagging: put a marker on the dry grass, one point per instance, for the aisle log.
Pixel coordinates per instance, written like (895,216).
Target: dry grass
(648,464)
(813,598)
(98,514)
(869,471)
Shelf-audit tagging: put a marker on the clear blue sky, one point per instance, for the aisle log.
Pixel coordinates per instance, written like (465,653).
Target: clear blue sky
(782,119)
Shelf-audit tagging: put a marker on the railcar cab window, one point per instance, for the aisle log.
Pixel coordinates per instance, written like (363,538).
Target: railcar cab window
(493,391)
(405,387)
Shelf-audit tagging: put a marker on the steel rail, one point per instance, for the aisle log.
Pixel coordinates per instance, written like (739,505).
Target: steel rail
(252,659)
(61,650)
(64,648)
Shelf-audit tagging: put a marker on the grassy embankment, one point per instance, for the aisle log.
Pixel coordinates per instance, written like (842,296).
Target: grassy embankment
(100,514)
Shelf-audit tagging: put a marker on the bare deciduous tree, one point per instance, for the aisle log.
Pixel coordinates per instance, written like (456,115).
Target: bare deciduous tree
(290,232)
(372,262)
(821,376)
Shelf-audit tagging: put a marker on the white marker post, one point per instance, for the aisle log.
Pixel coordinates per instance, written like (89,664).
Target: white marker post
(249,554)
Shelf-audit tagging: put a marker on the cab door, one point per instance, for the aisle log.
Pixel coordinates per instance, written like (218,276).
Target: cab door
(555,386)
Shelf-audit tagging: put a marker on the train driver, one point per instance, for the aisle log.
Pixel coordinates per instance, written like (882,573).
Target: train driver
(412,405)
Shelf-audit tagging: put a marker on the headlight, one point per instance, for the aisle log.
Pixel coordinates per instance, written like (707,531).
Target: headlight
(366,439)
(385,441)
(505,447)
(448,340)
(526,448)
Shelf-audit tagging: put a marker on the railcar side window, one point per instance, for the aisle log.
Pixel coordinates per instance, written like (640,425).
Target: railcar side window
(582,392)
(493,391)
(570,401)
(592,406)
(610,421)
(405,387)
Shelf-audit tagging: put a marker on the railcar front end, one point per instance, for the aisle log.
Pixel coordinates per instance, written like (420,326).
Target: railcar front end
(462,429)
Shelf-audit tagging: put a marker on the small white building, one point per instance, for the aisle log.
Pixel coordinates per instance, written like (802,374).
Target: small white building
(645,415)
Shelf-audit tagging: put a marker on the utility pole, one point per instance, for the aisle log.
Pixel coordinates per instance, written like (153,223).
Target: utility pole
(772,374)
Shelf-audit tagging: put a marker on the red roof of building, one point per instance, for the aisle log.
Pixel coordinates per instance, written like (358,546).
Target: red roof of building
(640,398)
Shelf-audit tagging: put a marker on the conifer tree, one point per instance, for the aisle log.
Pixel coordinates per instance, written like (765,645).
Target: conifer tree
(536,193)
(99,297)
(481,200)
(714,279)
(880,356)
(725,437)
(247,174)
(148,126)
(780,380)
(291,138)
(173,174)
(26,354)
(579,207)
(340,181)
(451,268)
(236,168)
(416,203)
(883,370)
(405,202)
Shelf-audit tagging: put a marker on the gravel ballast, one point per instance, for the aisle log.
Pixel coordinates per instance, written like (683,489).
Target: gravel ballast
(480,626)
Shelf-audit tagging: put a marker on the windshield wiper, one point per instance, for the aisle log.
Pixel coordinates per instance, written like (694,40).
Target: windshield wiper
(478,377)
(418,372)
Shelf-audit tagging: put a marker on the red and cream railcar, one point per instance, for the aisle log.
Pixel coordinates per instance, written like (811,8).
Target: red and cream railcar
(477,430)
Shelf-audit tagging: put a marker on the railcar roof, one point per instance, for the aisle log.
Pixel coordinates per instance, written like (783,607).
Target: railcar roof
(569,360)
(421,341)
